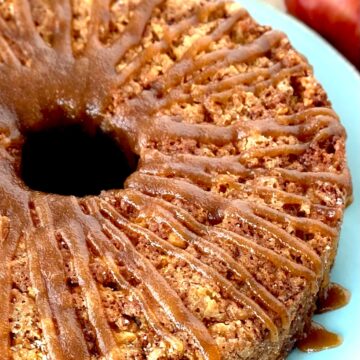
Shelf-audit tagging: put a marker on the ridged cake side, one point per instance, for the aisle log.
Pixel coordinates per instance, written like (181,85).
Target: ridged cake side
(222,238)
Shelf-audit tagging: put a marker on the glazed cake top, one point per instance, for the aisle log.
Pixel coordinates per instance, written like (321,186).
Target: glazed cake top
(241,167)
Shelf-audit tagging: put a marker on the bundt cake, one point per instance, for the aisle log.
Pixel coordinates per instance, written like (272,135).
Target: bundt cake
(222,237)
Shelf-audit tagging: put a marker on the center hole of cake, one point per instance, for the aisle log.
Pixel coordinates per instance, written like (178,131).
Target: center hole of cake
(69,161)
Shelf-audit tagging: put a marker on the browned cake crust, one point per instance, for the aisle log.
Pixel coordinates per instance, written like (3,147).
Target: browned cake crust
(220,241)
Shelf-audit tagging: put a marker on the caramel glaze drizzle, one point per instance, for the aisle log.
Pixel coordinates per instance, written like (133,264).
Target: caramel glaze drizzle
(205,270)
(154,289)
(335,298)
(135,198)
(77,87)
(219,208)
(318,338)
(11,200)
(155,284)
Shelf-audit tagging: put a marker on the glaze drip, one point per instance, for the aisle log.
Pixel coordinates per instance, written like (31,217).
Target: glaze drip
(318,338)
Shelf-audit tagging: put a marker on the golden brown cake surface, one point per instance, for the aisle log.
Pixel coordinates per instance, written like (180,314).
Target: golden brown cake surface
(223,236)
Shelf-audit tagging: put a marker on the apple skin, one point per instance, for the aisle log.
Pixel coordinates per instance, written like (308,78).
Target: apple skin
(337,20)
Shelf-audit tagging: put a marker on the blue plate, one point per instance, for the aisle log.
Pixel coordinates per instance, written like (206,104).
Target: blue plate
(342,83)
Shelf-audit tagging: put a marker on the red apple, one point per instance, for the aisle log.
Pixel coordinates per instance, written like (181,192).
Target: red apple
(337,20)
